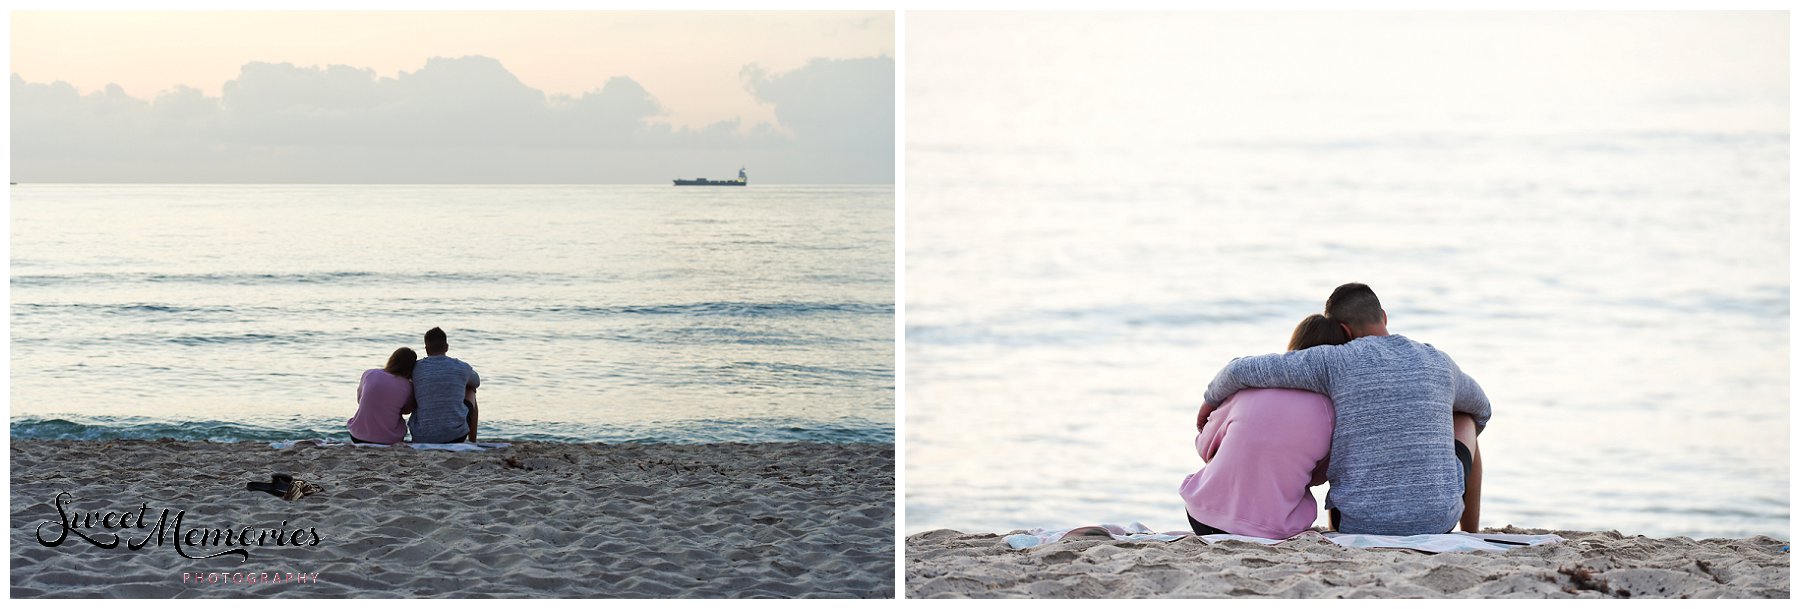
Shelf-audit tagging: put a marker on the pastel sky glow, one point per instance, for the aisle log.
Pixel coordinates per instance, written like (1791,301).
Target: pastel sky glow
(782,91)
(1224,76)
(689,60)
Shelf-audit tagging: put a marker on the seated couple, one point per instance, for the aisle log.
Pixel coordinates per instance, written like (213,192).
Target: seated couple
(438,391)
(1389,422)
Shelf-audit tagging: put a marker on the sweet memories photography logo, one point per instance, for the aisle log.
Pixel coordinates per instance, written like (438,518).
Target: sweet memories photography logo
(135,530)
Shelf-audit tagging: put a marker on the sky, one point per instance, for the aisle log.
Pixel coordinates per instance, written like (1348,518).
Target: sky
(407,97)
(1222,77)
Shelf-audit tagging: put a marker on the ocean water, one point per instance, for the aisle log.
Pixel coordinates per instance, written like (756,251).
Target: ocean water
(592,313)
(1085,249)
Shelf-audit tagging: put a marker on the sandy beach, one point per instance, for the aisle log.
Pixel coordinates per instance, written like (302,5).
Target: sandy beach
(531,520)
(951,564)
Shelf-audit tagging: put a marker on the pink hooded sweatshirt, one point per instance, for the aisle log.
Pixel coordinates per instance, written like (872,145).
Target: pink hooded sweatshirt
(1263,448)
(379,399)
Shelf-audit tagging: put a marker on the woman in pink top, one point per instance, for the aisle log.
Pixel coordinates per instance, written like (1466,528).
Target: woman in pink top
(382,398)
(1264,449)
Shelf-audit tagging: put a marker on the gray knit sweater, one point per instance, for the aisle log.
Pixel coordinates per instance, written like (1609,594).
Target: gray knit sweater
(1393,464)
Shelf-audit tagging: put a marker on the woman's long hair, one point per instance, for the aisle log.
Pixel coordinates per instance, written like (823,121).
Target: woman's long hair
(401,362)
(1317,330)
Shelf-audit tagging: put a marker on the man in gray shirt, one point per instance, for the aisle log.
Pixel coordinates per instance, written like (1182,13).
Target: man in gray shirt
(1395,464)
(444,387)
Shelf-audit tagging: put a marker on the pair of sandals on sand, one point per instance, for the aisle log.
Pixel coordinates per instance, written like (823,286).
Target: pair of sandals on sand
(284,486)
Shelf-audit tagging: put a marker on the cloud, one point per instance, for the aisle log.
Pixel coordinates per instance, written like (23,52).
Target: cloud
(842,109)
(454,120)
(615,113)
(830,101)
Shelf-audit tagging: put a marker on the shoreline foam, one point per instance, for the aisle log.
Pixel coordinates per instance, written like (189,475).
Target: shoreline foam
(297,427)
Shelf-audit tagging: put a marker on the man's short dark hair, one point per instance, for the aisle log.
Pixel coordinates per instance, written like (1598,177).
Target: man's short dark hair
(435,341)
(1354,304)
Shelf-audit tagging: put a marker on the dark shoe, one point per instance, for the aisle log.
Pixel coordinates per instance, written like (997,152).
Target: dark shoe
(278,487)
(284,486)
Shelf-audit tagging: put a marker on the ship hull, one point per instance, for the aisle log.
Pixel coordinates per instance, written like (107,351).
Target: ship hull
(704,182)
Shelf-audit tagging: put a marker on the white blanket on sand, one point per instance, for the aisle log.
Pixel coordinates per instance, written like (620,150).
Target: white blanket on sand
(1136,531)
(458,446)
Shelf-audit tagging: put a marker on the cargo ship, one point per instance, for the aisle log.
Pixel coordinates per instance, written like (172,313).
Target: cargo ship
(741,180)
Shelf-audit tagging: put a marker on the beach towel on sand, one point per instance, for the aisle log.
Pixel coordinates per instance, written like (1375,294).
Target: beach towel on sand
(457,447)
(1135,531)
(1433,544)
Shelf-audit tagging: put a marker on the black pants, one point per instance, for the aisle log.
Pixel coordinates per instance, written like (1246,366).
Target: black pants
(1468,460)
(1201,528)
